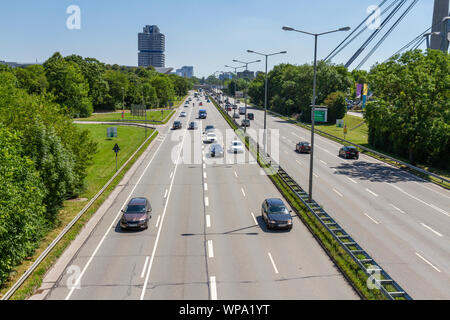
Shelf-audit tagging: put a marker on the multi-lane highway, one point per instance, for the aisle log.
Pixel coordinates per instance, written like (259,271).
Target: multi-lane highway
(206,238)
(401,220)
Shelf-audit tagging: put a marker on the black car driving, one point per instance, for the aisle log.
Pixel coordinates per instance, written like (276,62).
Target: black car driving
(349,152)
(303,147)
(137,214)
(275,214)
(250,116)
(176,125)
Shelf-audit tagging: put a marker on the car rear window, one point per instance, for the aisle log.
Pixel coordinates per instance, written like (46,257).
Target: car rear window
(278,209)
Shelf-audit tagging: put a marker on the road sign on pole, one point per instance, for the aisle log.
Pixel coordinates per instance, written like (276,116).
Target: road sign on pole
(116,150)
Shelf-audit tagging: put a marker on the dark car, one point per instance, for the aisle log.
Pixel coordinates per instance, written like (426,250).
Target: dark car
(303,147)
(229,108)
(275,214)
(349,152)
(193,125)
(200,104)
(250,116)
(137,214)
(209,127)
(177,125)
(216,150)
(245,123)
(234,106)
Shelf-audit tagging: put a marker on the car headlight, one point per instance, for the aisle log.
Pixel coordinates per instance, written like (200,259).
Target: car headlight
(271,221)
(289,221)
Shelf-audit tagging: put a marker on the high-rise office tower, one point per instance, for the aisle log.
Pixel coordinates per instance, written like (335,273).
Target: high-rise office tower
(151,46)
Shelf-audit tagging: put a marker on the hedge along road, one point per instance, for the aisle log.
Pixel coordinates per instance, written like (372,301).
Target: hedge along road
(205,239)
(400,219)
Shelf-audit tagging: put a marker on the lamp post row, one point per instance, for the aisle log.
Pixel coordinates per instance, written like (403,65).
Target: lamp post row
(313,102)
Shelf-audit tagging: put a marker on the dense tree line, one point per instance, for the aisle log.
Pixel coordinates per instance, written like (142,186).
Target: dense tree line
(410,115)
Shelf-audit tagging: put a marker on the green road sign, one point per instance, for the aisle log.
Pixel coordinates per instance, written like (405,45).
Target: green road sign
(320,115)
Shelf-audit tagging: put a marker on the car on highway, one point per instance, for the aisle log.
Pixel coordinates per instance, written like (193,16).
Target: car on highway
(210,137)
(241,110)
(250,116)
(200,104)
(136,214)
(176,125)
(234,107)
(245,123)
(183,114)
(229,108)
(303,147)
(238,101)
(209,128)
(236,147)
(193,125)
(202,114)
(216,150)
(349,152)
(275,214)
(236,115)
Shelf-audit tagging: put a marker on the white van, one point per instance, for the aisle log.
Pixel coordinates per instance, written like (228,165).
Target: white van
(241,110)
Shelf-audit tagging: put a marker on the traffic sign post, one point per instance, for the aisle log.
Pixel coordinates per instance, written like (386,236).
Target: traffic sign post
(345,131)
(116,150)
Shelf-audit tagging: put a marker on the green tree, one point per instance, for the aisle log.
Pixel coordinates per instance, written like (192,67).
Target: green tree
(337,106)
(410,115)
(32,79)
(68,85)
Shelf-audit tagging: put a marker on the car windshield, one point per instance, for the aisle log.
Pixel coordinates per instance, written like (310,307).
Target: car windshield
(209,127)
(136,209)
(278,210)
(236,143)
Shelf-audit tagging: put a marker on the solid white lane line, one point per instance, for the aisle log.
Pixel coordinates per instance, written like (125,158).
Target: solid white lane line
(165,194)
(145,266)
(213,288)
(210,249)
(273,263)
(375,221)
(421,201)
(435,191)
(171,174)
(431,229)
(206,186)
(371,192)
(206,201)
(428,262)
(144,287)
(351,180)
(243,192)
(111,226)
(340,194)
(398,209)
(157,221)
(208,221)
(254,218)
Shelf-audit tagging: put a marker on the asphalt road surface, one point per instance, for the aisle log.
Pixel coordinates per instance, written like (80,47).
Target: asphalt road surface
(402,221)
(206,238)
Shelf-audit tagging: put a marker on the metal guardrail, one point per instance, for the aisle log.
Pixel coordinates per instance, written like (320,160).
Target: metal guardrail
(42,256)
(379,277)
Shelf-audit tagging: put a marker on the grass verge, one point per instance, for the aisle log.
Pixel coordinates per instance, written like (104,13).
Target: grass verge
(345,263)
(104,168)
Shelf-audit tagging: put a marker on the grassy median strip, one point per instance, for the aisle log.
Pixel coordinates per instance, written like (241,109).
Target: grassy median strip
(348,267)
(102,169)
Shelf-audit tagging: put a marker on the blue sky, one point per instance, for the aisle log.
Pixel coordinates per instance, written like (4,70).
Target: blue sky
(205,34)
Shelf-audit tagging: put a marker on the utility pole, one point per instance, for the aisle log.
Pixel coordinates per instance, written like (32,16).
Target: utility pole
(440,12)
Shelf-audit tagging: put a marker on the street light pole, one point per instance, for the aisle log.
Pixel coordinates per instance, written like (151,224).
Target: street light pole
(265,93)
(313,101)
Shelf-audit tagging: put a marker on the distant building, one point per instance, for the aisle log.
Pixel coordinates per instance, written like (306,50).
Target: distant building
(247,74)
(185,71)
(151,46)
(225,76)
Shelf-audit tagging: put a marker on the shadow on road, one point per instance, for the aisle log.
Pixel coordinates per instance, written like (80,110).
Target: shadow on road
(374,172)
